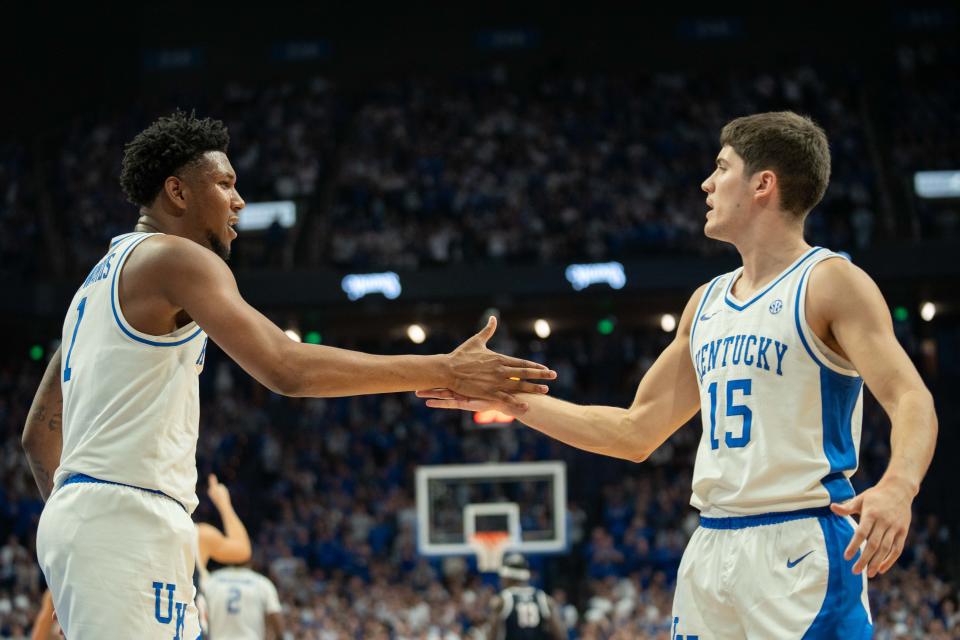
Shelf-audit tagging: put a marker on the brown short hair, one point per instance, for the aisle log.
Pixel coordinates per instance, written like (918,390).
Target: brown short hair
(792,146)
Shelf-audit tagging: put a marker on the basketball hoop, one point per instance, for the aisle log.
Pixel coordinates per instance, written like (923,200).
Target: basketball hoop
(489,547)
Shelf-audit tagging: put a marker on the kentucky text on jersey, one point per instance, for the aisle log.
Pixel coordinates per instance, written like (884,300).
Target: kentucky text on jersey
(742,349)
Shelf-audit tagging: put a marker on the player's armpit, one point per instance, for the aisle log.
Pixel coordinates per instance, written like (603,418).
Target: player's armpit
(845,305)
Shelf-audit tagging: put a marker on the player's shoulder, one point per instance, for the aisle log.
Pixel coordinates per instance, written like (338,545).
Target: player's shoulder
(838,287)
(836,275)
(167,247)
(176,260)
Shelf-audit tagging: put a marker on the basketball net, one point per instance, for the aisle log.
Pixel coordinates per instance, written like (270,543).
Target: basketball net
(489,547)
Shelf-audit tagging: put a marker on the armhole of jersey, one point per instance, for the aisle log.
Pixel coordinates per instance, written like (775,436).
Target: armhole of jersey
(815,347)
(703,301)
(507,609)
(180,336)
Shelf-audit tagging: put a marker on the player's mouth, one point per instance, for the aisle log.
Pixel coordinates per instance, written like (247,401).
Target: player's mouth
(709,204)
(230,227)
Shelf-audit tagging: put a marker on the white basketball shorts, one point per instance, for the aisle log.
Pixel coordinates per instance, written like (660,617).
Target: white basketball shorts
(119,562)
(772,576)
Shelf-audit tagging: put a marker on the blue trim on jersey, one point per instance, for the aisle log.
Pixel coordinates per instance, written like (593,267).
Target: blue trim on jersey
(82,478)
(118,239)
(703,302)
(838,396)
(116,316)
(842,614)
(763,519)
(726,294)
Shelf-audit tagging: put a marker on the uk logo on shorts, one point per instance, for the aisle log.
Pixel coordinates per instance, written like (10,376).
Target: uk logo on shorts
(776,306)
(675,636)
(181,608)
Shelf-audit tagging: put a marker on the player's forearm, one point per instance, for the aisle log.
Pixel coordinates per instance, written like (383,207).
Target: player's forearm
(320,371)
(234,530)
(42,438)
(599,429)
(913,437)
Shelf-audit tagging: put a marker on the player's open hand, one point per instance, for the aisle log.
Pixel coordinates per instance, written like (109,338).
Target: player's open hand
(477,372)
(884,522)
(447,399)
(219,494)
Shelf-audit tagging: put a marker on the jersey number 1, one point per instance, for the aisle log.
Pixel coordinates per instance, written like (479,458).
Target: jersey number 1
(73,340)
(744,385)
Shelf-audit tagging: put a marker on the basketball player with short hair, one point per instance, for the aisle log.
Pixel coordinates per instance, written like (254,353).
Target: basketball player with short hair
(115,537)
(774,355)
(243,605)
(521,611)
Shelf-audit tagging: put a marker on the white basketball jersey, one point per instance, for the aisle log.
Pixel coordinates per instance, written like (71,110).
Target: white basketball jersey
(239,601)
(781,412)
(131,405)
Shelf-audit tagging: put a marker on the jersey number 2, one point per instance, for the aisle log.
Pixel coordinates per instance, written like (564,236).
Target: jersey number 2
(745,386)
(233,601)
(73,339)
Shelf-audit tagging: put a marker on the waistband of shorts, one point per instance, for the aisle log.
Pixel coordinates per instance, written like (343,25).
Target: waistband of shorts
(81,478)
(763,519)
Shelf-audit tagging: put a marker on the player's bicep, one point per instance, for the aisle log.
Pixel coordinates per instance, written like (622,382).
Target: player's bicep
(668,395)
(201,284)
(860,322)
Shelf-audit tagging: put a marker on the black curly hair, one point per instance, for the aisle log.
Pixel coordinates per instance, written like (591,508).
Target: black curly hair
(163,148)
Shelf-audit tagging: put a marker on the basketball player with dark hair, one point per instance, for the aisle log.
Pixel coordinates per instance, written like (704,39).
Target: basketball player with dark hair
(774,355)
(115,537)
(521,611)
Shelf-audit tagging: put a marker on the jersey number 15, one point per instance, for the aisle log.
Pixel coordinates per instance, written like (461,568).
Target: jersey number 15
(733,410)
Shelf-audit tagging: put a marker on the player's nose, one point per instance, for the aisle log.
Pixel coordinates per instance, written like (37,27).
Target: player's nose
(238,202)
(707,185)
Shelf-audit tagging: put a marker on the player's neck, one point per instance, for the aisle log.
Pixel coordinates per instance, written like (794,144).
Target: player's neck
(766,258)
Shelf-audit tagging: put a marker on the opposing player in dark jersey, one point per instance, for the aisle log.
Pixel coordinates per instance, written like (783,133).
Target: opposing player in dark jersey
(521,611)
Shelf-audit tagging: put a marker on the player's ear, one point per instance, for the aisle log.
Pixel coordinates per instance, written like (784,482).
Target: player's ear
(765,184)
(174,189)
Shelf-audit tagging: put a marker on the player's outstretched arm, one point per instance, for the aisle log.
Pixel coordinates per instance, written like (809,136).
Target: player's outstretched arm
(42,438)
(233,545)
(194,279)
(844,302)
(668,396)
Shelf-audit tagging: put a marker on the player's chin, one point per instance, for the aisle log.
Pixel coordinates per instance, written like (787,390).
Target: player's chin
(712,230)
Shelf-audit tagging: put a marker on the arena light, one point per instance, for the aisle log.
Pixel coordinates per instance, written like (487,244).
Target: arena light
(257,216)
(416,333)
(293,334)
(605,325)
(36,353)
(668,322)
(937,184)
(313,337)
(358,285)
(542,328)
(928,310)
(581,276)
